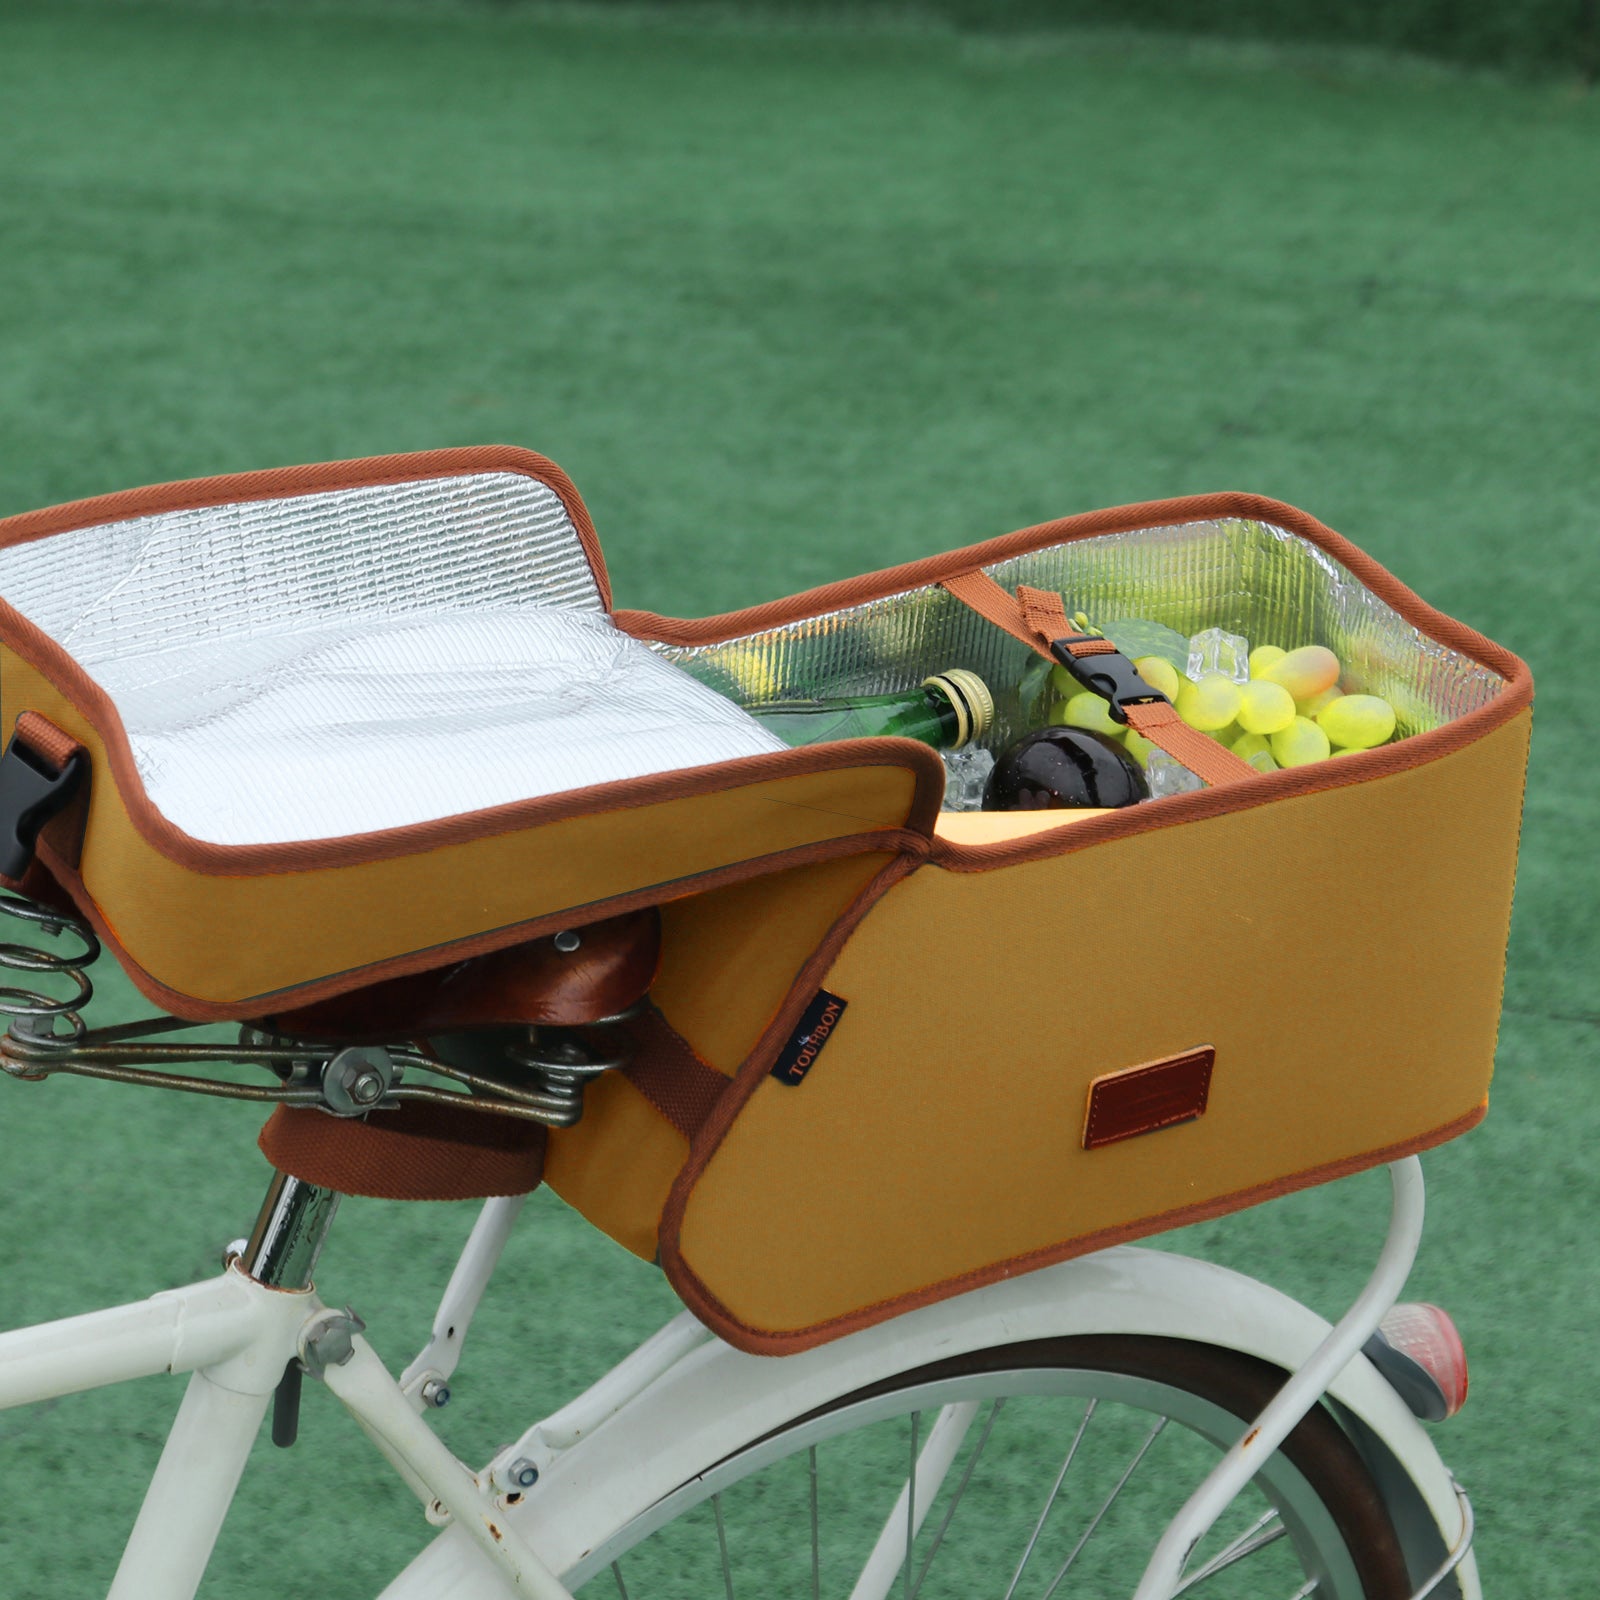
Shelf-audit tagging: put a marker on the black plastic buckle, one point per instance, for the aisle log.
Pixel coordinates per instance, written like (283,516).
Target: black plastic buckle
(30,794)
(1109,673)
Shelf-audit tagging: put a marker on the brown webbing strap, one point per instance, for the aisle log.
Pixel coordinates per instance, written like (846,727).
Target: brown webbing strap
(1039,619)
(667,1072)
(45,739)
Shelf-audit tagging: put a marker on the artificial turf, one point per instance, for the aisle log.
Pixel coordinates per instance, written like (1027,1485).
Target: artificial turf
(791,302)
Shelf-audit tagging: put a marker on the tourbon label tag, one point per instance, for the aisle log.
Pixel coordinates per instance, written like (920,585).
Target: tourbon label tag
(805,1044)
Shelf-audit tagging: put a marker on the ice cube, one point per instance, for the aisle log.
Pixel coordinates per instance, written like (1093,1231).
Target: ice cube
(1166,776)
(966,771)
(1216,650)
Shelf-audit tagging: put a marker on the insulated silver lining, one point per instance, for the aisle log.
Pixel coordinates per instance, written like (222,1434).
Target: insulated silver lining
(343,662)
(1249,577)
(267,566)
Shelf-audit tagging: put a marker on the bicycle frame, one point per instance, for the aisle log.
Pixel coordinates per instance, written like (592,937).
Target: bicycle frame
(683,1399)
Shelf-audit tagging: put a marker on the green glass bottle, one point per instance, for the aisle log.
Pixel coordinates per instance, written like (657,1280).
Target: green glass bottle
(950,710)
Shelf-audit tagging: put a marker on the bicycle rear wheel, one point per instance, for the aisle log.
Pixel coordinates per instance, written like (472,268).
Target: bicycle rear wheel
(1042,1469)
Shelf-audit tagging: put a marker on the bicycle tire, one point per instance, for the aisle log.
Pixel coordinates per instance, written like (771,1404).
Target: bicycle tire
(1331,1522)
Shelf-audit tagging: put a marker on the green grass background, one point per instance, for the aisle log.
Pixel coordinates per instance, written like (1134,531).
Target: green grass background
(790,302)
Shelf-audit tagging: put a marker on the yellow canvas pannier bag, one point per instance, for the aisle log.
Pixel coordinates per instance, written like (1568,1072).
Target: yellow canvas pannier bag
(1033,1035)
(890,1052)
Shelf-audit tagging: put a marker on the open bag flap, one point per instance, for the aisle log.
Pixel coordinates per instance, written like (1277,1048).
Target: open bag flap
(351,668)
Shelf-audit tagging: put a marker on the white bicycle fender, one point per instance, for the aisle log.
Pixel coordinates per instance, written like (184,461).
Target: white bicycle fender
(717,1399)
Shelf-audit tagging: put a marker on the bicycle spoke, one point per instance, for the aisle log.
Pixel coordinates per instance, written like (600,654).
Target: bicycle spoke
(1265,1530)
(889,1565)
(1055,1489)
(616,1572)
(1110,1500)
(816,1538)
(955,1500)
(911,1501)
(722,1543)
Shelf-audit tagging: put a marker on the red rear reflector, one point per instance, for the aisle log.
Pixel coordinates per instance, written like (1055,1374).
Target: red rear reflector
(1427,1335)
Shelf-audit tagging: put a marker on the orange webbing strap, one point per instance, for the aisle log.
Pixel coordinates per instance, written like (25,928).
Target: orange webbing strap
(1039,619)
(1163,727)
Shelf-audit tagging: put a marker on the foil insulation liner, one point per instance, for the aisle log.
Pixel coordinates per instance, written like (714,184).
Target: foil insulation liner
(338,663)
(1248,577)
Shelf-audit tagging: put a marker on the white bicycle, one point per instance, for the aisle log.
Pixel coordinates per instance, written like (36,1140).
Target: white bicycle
(1028,1439)
(333,837)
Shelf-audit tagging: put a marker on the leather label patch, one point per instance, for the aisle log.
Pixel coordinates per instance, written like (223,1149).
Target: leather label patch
(1138,1100)
(805,1044)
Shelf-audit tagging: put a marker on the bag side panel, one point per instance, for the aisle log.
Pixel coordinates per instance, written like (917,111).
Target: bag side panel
(1342,951)
(729,956)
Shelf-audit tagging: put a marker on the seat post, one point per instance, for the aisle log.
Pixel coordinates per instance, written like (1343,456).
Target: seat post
(288,1236)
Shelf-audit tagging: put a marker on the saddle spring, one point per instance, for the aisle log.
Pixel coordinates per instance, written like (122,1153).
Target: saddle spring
(559,1063)
(33,1011)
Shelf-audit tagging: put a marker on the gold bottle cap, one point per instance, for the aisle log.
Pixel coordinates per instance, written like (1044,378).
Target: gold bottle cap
(969,695)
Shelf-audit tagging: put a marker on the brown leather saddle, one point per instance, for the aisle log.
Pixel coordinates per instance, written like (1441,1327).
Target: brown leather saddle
(577,977)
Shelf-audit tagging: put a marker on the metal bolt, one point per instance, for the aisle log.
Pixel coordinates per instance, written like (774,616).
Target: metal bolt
(356,1079)
(328,1340)
(567,941)
(523,1473)
(366,1087)
(436,1393)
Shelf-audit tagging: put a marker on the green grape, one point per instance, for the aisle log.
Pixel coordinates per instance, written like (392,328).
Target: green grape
(1358,721)
(1263,657)
(1306,671)
(1313,706)
(1298,745)
(1138,746)
(1265,707)
(1160,674)
(1210,704)
(1086,710)
(1249,745)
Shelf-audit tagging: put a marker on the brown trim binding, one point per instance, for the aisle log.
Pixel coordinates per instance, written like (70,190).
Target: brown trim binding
(767,1342)
(279,483)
